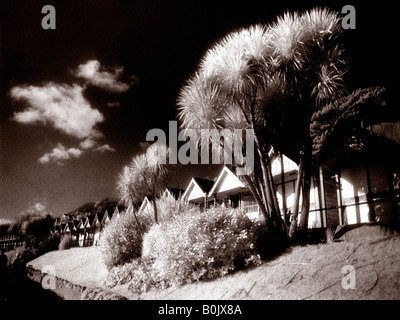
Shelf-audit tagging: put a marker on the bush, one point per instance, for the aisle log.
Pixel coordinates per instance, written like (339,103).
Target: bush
(121,241)
(50,243)
(100,294)
(139,273)
(168,207)
(202,245)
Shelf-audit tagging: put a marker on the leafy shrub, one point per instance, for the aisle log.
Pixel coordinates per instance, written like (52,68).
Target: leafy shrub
(50,243)
(121,241)
(100,294)
(201,245)
(168,207)
(139,273)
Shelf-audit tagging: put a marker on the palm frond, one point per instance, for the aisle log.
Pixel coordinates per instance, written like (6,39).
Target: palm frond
(320,23)
(157,155)
(308,56)
(200,105)
(123,182)
(239,61)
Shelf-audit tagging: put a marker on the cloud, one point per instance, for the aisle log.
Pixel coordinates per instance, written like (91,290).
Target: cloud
(4,221)
(60,105)
(97,76)
(38,207)
(29,116)
(105,148)
(59,154)
(64,108)
(88,143)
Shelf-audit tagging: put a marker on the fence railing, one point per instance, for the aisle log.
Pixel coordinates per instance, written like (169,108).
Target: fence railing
(11,244)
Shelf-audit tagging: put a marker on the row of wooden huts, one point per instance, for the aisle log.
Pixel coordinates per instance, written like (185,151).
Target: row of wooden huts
(352,183)
(84,231)
(355,180)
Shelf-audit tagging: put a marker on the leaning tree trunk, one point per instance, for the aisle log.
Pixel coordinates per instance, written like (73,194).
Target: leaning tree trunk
(256,195)
(271,201)
(293,224)
(136,219)
(276,211)
(306,200)
(155,209)
(304,171)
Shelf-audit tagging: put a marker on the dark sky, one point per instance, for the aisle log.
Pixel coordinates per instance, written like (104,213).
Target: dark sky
(151,48)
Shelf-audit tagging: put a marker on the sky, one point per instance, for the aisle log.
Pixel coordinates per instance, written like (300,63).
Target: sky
(77,101)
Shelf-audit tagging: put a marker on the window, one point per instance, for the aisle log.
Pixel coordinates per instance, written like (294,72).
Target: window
(354,194)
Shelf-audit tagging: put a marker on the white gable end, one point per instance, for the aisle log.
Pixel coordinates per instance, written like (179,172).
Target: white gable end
(229,182)
(288,165)
(196,192)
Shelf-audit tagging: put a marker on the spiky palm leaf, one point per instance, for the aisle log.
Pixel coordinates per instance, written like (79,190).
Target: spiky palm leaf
(200,105)
(143,176)
(307,54)
(124,181)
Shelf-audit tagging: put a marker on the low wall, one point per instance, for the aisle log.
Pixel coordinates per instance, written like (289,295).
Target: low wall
(70,291)
(63,288)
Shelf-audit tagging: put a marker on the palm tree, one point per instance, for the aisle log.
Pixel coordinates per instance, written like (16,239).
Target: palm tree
(227,92)
(262,78)
(126,189)
(143,176)
(310,60)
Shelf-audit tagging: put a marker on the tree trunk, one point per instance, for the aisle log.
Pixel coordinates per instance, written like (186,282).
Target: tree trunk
(136,219)
(306,202)
(155,209)
(304,166)
(272,201)
(276,211)
(293,225)
(256,195)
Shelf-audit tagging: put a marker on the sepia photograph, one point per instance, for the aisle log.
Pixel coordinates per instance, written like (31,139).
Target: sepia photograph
(199,154)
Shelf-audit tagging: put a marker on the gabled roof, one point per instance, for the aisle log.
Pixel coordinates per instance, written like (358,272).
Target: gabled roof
(288,165)
(76,224)
(107,216)
(89,221)
(82,223)
(197,189)
(146,201)
(67,227)
(204,184)
(226,183)
(99,218)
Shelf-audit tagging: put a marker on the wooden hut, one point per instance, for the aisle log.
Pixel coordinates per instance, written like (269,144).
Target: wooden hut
(98,226)
(197,192)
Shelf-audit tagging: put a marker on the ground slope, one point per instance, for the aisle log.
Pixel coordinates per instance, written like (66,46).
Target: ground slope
(303,272)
